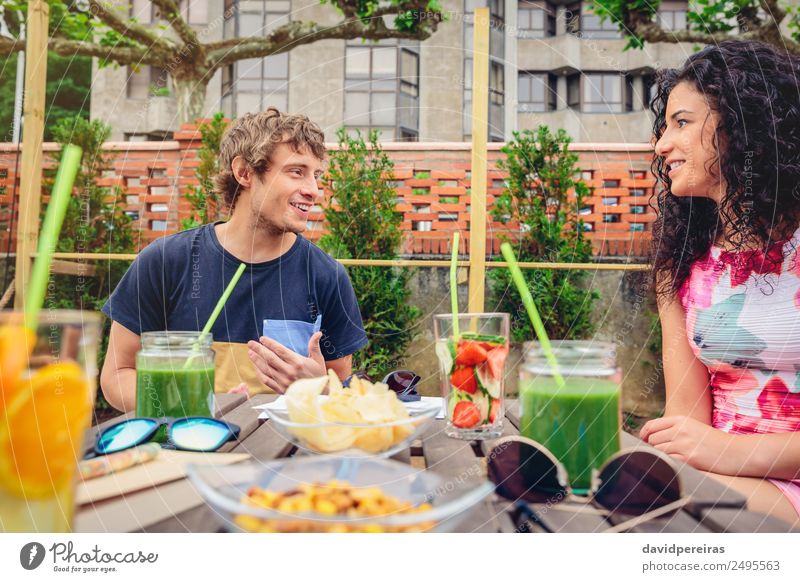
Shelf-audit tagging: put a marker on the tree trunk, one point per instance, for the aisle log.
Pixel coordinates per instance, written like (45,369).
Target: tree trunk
(191,95)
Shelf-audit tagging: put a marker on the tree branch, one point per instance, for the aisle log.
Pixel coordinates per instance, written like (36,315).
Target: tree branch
(9,46)
(170,12)
(775,12)
(640,24)
(126,28)
(120,55)
(298,33)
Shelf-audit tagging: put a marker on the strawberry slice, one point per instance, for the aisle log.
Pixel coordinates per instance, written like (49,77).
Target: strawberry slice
(464,379)
(494,410)
(466,415)
(470,353)
(496,360)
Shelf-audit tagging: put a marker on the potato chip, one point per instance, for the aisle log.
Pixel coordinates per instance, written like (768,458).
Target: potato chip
(362,403)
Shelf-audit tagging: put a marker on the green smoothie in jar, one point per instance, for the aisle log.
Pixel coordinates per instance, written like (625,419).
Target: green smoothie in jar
(579,422)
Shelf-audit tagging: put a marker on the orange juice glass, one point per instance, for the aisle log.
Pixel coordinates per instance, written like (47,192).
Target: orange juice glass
(48,382)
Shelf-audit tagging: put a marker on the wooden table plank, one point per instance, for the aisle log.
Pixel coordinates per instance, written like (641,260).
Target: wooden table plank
(456,460)
(742,521)
(460,461)
(559,519)
(245,418)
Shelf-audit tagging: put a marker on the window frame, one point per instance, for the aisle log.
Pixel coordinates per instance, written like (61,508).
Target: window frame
(550,102)
(548,29)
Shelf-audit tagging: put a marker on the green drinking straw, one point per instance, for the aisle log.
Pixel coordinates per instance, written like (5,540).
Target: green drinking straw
(217,310)
(51,229)
(530,307)
(454,285)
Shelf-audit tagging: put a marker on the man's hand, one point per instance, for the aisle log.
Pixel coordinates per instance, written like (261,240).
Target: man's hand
(693,442)
(278,366)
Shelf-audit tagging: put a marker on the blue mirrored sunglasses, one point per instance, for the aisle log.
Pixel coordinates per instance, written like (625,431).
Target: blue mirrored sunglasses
(193,433)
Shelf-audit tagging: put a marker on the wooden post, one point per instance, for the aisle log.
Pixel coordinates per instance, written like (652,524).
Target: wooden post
(32,137)
(480,134)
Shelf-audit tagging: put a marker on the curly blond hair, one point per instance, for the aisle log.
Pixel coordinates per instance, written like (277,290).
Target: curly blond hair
(254,137)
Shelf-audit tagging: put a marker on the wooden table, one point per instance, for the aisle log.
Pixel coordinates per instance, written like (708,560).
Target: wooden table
(176,506)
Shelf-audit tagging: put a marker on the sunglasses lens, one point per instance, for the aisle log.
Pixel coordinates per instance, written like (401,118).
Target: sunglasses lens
(199,434)
(521,471)
(401,381)
(636,483)
(125,435)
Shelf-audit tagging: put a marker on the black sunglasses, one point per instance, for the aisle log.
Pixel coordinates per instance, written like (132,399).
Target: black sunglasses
(193,433)
(402,382)
(636,482)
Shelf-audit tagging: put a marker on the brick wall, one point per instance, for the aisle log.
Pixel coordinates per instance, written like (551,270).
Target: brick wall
(432,182)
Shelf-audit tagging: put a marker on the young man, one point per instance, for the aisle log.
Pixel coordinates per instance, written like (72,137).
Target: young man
(293,313)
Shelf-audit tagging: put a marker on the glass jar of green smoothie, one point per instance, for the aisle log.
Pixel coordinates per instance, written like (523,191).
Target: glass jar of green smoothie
(174,375)
(578,422)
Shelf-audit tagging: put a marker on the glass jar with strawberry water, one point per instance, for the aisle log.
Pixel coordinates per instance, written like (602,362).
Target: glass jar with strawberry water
(472,369)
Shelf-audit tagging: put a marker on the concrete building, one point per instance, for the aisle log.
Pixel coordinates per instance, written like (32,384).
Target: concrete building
(552,62)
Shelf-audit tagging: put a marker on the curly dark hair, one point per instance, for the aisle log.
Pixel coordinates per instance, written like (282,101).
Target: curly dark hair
(755,91)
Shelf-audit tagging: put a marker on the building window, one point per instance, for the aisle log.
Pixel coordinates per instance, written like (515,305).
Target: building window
(574,91)
(600,92)
(497,10)
(261,82)
(589,25)
(536,92)
(146,82)
(672,16)
(194,11)
(382,89)
(572,17)
(142,11)
(637,227)
(649,89)
(227,80)
(637,209)
(536,19)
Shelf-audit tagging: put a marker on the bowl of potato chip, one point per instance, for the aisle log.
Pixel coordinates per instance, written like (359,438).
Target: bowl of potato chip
(334,494)
(321,416)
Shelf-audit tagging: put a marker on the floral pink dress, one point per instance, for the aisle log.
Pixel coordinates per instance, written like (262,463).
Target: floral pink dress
(743,322)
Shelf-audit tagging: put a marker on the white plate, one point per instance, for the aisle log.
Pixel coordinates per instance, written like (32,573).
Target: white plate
(426,403)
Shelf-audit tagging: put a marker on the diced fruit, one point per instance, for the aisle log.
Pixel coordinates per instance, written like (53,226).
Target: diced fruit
(456,396)
(470,353)
(446,354)
(483,403)
(487,382)
(464,379)
(494,410)
(496,359)
(466,415)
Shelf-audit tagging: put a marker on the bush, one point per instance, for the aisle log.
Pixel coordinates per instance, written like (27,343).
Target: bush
(94,221)
(207,205)
(544,197)
(363,223)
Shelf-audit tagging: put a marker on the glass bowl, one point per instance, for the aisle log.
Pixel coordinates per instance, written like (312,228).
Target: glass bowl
(224,487)
(354,440)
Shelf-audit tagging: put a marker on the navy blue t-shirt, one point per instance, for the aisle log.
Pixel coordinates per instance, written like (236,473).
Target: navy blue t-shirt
(176,281)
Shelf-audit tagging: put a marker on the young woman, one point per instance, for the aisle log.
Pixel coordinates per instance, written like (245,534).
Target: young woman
(727,269)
